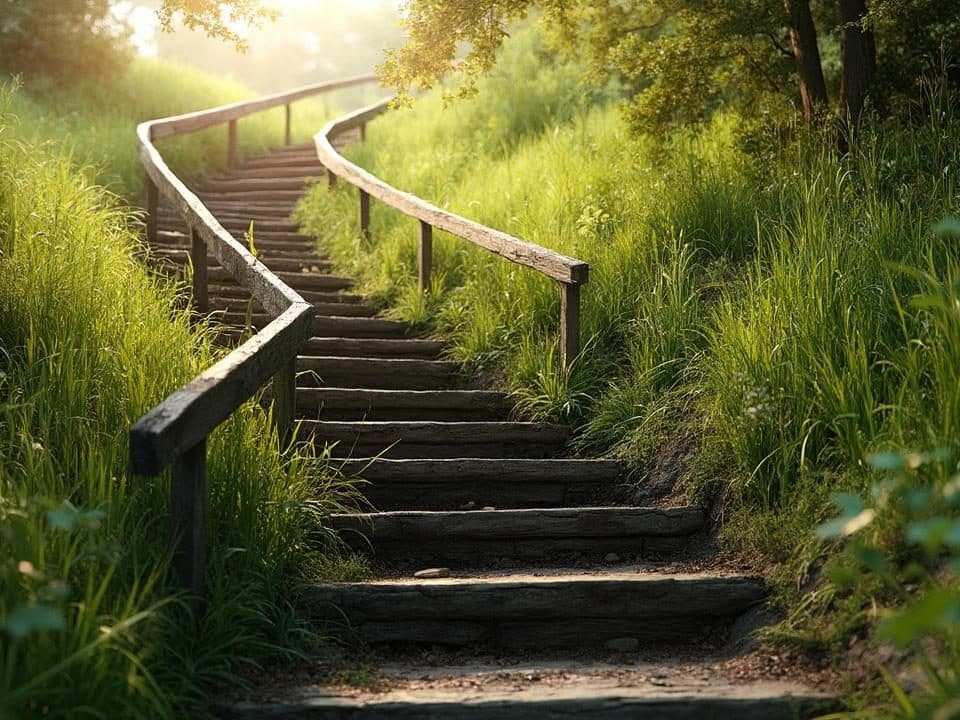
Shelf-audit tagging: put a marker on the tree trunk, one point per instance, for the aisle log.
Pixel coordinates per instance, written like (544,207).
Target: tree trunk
(806,56)
(859,56)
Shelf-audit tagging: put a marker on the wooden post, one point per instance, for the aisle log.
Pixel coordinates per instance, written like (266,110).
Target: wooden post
(569,322)
(363,133)
(198,257)
(331,179)
(188,500)
(285,401)
(153,208)
(232,144)
(364,215)
(425,254)
(288,136)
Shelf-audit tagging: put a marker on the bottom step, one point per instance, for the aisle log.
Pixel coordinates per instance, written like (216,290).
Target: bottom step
(481,689)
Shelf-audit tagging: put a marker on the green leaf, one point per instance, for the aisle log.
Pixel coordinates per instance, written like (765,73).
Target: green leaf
(887,461)
(850,504)
(871,558)
(845,525)
(929,533)
(64,517)
(935,610)
(25,620)
(949,226)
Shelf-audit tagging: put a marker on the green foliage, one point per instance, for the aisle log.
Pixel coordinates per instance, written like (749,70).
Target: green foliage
(66,41)
(907,536)
(91,623)
(217,18)
(94,121)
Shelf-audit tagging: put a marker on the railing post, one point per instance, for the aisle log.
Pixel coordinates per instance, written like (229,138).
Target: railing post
(198,257)
(287,137)
(569,322)
(285,401)
(232,144)
(331,179)
(153,207)
(364,214)
(188,506)
(425,254)
(363,133)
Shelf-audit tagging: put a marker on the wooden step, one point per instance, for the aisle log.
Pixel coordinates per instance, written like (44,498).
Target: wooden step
(296,184)
(297,249)
(410,348)
(258,212)
(376,373)
(242,222)
(298,281)
(341,327)
(451,484)
(438,439)
(332,403)
(478,537)
(259,320)
(274,262)
(254,196)
(252,173)
(534,610)
(235,292)
(521,690)
(174,231)
(303,163)
(242,306)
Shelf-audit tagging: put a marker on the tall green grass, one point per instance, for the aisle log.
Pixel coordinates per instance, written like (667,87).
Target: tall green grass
(90,622)
(95,122)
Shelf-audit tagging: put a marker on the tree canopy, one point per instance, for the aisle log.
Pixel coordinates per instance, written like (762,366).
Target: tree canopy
(61,40)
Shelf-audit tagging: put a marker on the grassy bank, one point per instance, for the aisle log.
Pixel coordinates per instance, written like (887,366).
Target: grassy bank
(751,330)
(95,122)
(91,623)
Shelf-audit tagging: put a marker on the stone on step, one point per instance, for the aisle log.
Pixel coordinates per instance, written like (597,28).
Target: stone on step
(452,483)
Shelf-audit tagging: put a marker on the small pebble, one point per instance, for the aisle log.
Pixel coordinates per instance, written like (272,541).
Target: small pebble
(489,507)
(468,506)
(611,558)
(431,573)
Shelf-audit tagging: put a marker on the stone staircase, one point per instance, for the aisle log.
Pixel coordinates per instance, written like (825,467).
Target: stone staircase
(489,541)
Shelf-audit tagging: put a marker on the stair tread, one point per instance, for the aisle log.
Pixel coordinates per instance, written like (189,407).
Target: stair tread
(546,691)
(580,522)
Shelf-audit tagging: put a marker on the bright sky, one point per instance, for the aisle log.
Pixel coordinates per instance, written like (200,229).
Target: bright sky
(145,24)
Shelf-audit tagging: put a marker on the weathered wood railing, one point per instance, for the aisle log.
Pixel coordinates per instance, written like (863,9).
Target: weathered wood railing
(569,272)
(174,433)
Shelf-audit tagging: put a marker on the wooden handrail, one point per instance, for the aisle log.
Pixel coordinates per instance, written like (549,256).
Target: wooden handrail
(174,433)
(569,272)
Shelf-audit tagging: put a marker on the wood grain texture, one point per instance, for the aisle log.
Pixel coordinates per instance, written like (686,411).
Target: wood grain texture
(592,522)
(187,416)
(735,702)
(553,264)
(192,122)
(519,598)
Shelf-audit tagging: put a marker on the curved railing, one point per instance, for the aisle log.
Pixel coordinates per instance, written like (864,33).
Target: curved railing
(174,433)
(569,272)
